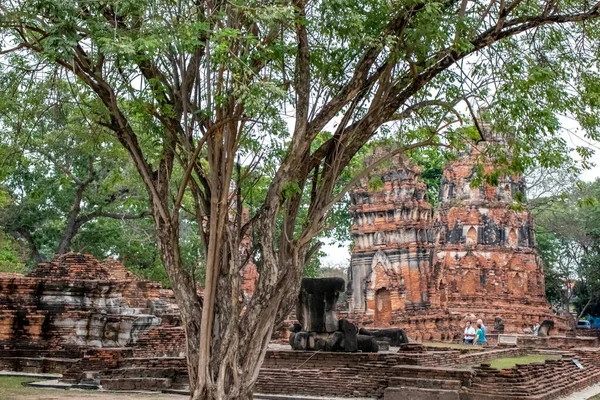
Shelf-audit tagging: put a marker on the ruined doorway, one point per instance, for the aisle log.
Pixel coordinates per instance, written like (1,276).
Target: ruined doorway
(383,307)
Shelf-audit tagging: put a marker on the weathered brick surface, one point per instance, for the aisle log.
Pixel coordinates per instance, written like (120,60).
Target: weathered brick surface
(136,384)
(546,380)
(425,271)
(75,302)
(359,379)
(417,393)
(37,364)
(370,378)
(323,374)
(588,332)
(358,375)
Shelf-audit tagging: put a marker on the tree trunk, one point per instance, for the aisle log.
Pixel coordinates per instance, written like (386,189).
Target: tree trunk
(567,298)
(590,301)
(238,351)
(240,335)
(69,233)
(190,304)
(72,226)
(35,252)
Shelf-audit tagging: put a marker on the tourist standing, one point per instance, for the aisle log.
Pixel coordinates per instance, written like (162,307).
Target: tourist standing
(480,334)
(469,334)
(483,329)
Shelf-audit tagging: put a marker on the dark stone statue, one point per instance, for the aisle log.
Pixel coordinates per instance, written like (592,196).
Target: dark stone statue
(350,335)
(335,342)
(394,336)
(367,344)
(300,341)
(498,325)
(318,327)
(315,309)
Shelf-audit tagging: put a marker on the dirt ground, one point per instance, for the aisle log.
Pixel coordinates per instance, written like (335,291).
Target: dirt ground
(12,388)
(51,394)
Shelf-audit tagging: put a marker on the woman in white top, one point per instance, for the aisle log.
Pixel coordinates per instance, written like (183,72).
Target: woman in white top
(469,334)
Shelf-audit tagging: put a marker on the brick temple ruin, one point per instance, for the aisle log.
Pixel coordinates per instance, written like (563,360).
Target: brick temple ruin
(412,267)
(75,303)
(428,270)
(100,327)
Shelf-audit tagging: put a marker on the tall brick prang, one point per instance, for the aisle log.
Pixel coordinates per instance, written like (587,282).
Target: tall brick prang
(427,270)
(393,243)
(486,262)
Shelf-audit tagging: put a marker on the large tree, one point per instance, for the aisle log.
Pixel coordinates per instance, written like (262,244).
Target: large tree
(62,172)
(211,98)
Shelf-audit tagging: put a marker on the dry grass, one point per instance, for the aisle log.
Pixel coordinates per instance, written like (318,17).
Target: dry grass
(12,388)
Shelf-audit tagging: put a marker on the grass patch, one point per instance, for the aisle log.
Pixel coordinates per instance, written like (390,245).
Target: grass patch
(596,397)
(12,386)
(509,362)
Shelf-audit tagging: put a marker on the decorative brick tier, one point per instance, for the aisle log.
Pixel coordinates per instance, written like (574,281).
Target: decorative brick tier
(73,266)
(284,359)
(556,342)
(595,332)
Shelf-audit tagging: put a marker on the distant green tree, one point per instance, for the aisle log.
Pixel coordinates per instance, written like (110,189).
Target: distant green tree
(13,258)
(62,170)
(570,243)
(558,273)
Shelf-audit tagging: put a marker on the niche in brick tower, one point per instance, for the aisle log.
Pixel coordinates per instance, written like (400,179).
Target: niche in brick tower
(383,307)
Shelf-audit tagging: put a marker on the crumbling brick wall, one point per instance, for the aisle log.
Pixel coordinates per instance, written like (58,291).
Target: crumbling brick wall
(75,302)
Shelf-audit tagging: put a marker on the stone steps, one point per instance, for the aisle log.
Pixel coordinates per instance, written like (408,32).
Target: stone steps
(447,384)
(136,384)
(172,373)
(150,362)
(401,388)
(415,393)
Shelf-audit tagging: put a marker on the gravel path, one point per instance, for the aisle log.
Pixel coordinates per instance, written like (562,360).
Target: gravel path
(584,394)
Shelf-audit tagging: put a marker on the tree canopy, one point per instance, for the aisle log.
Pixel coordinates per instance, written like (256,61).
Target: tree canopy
(224,107)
